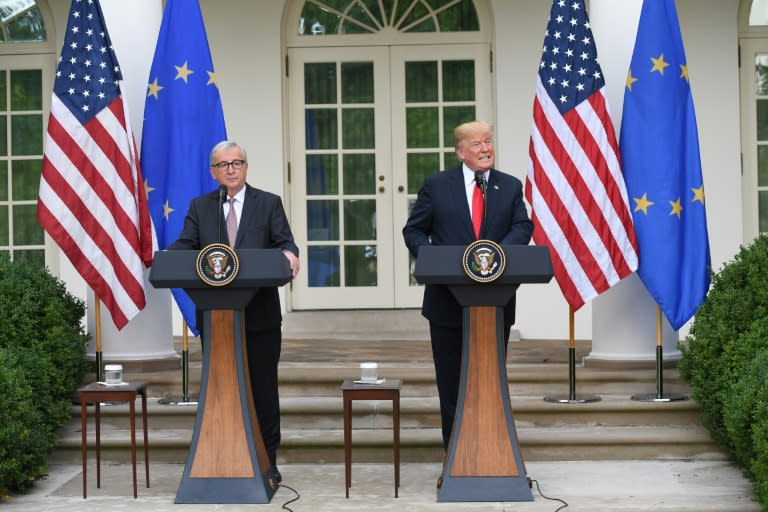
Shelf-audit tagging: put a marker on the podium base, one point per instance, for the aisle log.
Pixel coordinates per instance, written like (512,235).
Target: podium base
(259,489)
(483,488)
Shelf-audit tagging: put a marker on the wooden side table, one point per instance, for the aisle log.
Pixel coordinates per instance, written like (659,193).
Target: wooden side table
(388,390)
(96,393)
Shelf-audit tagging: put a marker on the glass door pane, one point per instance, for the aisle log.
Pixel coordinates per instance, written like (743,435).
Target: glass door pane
(754,139)
(22,102)
(435,89)
(341,190)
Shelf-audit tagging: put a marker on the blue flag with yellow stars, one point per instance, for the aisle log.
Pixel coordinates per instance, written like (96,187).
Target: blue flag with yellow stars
(660,154)
(183,120)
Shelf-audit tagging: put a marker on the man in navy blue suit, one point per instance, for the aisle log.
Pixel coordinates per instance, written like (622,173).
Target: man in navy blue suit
(258,222)
(443,215)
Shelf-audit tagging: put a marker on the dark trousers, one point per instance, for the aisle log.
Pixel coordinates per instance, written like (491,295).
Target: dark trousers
(446,352)
(263,348)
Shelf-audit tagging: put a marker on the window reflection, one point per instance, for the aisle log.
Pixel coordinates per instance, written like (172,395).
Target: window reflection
(320,17)
(758,14)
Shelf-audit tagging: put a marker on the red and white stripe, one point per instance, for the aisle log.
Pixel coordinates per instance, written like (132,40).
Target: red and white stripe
(578,198)
(92,203)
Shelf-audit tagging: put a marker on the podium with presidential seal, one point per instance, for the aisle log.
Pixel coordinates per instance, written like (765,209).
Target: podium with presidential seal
(483,462)
(227,461)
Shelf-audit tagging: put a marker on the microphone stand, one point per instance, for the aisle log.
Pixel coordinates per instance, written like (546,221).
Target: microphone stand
(222,198)
(480,181)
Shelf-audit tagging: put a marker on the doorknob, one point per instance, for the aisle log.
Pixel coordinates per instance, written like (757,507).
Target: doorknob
(381,177)
(381,189)
(400,188)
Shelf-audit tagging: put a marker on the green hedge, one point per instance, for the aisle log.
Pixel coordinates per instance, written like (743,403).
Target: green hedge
(42,362)
(721,361)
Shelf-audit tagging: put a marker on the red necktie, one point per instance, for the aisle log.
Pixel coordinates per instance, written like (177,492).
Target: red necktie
(478,205)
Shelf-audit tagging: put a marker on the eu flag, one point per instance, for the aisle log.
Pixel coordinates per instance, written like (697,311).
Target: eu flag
(660,154)
(183,120)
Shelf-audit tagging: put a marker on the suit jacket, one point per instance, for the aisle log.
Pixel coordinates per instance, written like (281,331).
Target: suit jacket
(263,225)
(441,216)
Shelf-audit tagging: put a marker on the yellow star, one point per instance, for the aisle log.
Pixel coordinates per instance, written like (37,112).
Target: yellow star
(630,80)
(698,194)
(212,79)
(684,72)
(642,203)
(166,210)
(147,188)
(183,72)
(659,64)
(154,88)
(676,207)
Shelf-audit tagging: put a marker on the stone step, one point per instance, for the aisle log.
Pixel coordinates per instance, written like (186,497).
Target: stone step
(419,412)
(424,444)
(312,429)
(324,379)
(361,324)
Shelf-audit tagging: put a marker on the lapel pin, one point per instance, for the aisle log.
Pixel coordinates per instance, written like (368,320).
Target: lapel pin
(496,187)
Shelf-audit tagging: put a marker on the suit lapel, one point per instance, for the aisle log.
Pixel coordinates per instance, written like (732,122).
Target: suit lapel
(249,204)
(459,196)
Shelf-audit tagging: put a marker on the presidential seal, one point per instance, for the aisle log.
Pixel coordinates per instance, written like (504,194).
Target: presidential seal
(217,264)
(484,261)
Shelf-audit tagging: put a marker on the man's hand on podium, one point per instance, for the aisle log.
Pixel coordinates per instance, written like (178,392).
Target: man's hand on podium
(293,261)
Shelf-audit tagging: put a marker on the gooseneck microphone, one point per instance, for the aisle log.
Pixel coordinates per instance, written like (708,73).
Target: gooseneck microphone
(480,181)
(222,198)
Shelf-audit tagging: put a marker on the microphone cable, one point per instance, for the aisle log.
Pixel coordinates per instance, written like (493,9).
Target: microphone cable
(564,503)
(298,496)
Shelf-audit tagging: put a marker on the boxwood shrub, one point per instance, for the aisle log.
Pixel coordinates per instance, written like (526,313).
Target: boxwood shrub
(721,361)
(43,361)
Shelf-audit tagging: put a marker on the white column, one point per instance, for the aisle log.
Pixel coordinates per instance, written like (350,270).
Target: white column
(623,318)
(133,27)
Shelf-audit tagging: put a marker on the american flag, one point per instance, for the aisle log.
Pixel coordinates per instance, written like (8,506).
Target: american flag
(575,185)
(92,201)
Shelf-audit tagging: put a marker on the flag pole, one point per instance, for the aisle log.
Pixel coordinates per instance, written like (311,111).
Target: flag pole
(185,398)
(97,321)
(660,396)
(185,364)
(571,398)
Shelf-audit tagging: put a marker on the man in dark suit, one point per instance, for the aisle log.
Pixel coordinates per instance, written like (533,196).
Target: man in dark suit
(443,215)
(256,220)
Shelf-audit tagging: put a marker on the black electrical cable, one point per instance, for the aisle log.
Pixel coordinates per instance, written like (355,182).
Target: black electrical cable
(565,504)
(298,496)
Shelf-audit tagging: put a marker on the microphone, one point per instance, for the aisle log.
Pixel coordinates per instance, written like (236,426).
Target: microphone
(480,181)
(222,198)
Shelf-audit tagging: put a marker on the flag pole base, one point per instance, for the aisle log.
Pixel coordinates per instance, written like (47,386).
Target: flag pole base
(177,400)
(659,397)
(563,399)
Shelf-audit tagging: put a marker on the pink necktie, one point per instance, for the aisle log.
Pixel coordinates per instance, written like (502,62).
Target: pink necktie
(478,205)
(232,222)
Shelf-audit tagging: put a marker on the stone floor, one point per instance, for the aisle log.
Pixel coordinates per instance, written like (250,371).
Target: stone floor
(587,486)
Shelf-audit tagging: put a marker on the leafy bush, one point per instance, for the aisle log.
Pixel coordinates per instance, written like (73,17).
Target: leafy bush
(726,361)
(718,347)
(746,418)
(23,440)
(44,346)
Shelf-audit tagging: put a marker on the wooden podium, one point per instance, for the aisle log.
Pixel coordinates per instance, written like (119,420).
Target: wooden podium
(227,461)
(483,462)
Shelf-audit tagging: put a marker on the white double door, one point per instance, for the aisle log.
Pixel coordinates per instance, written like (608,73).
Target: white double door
(367,125)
